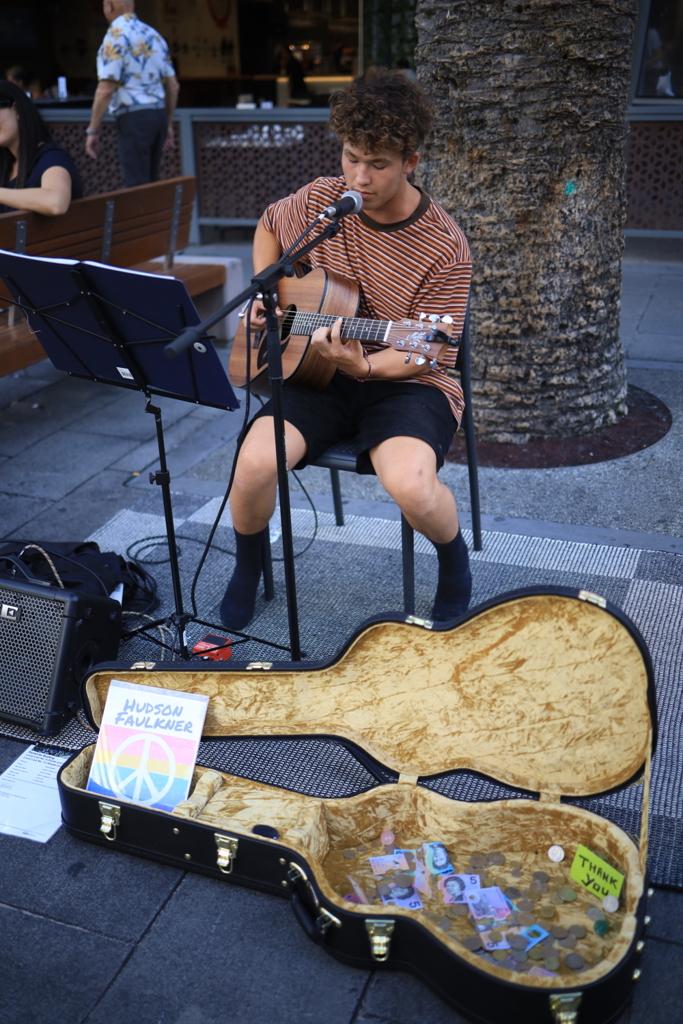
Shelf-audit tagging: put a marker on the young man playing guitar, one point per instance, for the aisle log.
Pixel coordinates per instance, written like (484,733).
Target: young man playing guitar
(409,258)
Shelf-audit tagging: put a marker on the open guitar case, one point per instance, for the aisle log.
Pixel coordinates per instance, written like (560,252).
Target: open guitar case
(548,692)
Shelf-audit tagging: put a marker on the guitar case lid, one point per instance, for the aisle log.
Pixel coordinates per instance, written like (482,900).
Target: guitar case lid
(544,690)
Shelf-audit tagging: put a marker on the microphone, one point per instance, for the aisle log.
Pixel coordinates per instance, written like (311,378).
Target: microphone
(350,202)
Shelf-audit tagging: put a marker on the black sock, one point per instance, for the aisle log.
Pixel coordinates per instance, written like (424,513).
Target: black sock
(455,580)
(237,606)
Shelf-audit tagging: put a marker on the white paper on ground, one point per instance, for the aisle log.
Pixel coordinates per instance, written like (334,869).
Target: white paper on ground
(29,799)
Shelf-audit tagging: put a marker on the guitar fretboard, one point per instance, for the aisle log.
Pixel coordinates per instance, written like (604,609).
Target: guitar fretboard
(352,327)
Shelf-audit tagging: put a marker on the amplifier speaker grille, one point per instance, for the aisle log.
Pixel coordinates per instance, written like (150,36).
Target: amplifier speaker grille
(29,652)
(46,646)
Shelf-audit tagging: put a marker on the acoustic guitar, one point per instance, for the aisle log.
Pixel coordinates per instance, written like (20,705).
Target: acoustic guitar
(317,300)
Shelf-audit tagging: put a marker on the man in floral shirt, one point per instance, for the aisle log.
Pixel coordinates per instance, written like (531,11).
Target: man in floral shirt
(139,86)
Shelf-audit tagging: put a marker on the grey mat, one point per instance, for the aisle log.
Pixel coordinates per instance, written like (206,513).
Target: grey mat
(354,572)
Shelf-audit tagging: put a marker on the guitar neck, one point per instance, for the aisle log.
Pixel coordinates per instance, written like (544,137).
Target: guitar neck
(352,327)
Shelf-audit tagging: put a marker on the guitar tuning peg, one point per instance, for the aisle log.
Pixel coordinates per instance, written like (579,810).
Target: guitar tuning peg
(420,360)
(434,318)
(446,319)
(407,358)
(422,316)
(433,363)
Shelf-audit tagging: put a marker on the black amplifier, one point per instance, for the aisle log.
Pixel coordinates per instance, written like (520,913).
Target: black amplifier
(49,639)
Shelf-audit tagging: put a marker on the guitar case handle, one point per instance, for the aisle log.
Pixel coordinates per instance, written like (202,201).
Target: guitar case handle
(305,919)
(316,928)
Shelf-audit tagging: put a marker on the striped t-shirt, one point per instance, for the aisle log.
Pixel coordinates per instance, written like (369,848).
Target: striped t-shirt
(419,265)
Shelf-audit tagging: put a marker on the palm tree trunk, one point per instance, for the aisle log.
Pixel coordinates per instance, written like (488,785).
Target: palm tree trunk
(527,155)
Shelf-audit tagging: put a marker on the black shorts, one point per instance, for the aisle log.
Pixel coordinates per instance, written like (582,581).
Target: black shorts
(367,413)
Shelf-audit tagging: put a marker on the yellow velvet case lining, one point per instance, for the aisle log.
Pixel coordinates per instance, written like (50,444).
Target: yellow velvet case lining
(318,829)
(543,692)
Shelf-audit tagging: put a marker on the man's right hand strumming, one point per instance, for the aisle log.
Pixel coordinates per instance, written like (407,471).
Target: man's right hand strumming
(258,315)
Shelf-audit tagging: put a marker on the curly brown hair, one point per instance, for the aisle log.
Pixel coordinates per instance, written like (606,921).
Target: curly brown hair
(382,110)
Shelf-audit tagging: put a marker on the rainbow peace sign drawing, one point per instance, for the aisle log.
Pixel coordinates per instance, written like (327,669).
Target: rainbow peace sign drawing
(147,747)
(142,769)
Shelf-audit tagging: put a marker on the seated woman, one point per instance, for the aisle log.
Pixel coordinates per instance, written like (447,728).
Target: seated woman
(35,174)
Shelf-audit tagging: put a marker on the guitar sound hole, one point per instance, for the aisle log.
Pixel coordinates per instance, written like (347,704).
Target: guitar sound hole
(287,321)
(285,326)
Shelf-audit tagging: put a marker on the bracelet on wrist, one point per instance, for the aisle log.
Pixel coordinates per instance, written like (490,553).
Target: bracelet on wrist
(89,131)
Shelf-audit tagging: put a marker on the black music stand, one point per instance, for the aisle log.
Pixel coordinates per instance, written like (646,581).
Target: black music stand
(265,284)
(111,325)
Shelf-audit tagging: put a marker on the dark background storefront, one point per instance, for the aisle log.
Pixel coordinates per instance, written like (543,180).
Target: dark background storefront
(221,49)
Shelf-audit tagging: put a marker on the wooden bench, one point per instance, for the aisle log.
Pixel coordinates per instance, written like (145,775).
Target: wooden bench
(128,228)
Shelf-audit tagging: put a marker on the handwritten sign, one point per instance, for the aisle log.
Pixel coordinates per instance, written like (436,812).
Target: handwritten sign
(147,747)
(595,874)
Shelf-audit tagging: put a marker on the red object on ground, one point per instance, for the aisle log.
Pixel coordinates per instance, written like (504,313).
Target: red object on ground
(213,647)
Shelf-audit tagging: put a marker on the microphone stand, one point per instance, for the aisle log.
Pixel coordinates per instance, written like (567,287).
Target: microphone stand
(265,283)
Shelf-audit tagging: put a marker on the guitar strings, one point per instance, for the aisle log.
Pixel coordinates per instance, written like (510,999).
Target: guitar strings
(361,329)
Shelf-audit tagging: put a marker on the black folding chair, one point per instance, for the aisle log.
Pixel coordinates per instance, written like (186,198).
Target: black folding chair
(342,456)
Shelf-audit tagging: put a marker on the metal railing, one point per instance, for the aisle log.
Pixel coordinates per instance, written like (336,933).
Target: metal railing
(246,159)
(243,159)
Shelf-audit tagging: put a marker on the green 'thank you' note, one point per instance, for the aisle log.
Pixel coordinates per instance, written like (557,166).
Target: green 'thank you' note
(595,874)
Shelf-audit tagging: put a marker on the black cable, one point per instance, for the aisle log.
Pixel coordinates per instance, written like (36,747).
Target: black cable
(153,542)
(134,550)
(80,566)
(240,441)
(290,251)
(156,541)
(315,516)
(147,586)
(148,636)
(145,582)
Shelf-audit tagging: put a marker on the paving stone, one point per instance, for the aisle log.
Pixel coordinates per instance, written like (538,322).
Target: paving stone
(25,422)
(607,494)
(403,999)
(126,416)
(147,454)
(16,510)
(30,381)
(653,565)
(666,910)
(52,973)
(80,883)
(150,501)
(78,514)
(665,307)
(637,289)
(665,347)
(209,438)
(58,464)
(658,994)
(221,952)
(396,998)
